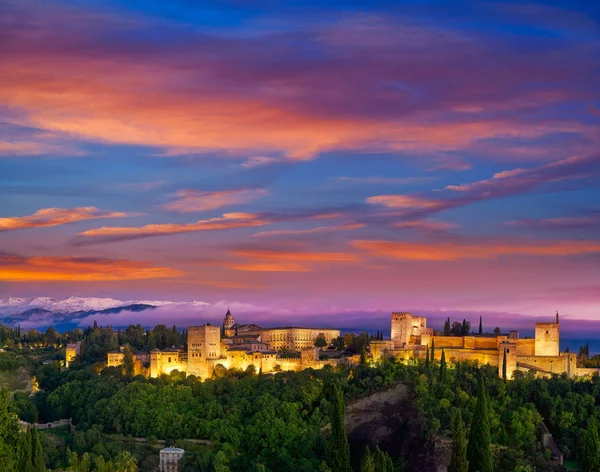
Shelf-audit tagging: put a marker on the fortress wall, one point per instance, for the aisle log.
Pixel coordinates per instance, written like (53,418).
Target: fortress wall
(469,342)
(486,343)
(489,356)
(586,371)
(525,347)
(552,364)
(448,341)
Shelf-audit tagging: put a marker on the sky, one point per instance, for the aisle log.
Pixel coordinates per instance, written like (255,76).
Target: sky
(327,161)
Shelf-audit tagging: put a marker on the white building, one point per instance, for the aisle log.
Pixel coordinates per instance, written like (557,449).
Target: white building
(169,458)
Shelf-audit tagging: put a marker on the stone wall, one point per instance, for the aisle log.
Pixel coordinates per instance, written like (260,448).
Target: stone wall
(526,347)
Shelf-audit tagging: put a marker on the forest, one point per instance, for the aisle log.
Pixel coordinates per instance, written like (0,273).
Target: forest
(290,421)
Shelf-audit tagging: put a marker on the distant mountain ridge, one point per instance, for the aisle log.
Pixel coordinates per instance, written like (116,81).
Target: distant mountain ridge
(46,311)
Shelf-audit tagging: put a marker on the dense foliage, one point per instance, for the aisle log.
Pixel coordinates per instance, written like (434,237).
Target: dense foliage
(250,421)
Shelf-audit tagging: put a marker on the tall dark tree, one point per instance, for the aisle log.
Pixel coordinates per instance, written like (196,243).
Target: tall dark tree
(591,448)
(504,365)
(458,460)
(443,367)
(432,350)
(37,453)
(383,462)
(339,450)
(481,325)
(24,462)
(367,464)
(466,327)
(447,327)
(427,358)
(479,449)
(128,362)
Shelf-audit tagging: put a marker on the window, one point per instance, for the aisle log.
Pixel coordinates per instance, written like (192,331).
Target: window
(169,359)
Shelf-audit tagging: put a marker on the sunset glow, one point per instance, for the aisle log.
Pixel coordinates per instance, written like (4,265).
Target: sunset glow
(306,161)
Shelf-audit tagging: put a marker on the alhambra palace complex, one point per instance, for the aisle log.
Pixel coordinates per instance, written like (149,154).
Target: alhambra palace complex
(240,346)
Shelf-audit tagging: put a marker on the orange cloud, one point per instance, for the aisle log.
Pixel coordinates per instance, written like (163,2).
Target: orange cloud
(284,261)
(72,269)
(188,201)
(107,95)
(403,201)
(56,216)
(455,251)
(227,221)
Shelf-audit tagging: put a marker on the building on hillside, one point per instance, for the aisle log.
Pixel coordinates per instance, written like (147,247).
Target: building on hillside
(411,338)
(292,338)
(169,458)
(71,352)
(242,346)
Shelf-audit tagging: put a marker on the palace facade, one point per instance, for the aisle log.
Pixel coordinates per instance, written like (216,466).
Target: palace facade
(234,346)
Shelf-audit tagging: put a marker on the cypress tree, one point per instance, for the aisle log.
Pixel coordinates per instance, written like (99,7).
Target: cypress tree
(37,453)
(24,463)
(443,367)
(367,464)
(479,449)
(128,362)
(458,370)
(447,327)
(458,460)
(465,327)
(432,350)
(481,325)
(383,462)
(591,447)
(504,366)
(427,358)
(339,450)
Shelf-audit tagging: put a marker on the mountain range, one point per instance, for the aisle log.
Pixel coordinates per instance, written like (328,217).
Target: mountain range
(66,313)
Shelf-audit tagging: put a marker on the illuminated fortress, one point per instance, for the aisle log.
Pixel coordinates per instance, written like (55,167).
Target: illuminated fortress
(410,338)
(234,346)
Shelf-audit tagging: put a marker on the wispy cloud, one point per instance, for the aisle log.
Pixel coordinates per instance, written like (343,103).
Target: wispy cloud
(188,201)
(384,180)
(258,161)
(78,269)
(450,163)
(113,234)
(426,225)
(564,222)
(287,261)
(57,216)
(404,202)
(473,250)
(318,229)
(151,185)
(502,184)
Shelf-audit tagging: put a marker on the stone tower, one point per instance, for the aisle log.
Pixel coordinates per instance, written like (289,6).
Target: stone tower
(511,358)
(401,328)
(204,347)
(547,338)
(228,323)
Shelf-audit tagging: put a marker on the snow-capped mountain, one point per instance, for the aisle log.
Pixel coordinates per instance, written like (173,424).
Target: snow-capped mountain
(16,305)
(46,311)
